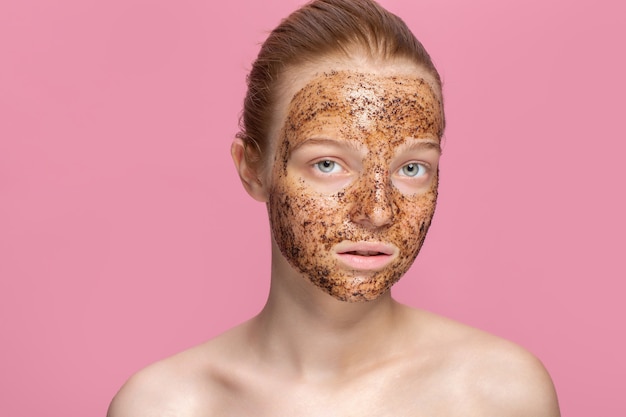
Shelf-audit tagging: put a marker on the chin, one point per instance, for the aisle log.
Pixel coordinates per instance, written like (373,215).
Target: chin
(356,290)
(357,297)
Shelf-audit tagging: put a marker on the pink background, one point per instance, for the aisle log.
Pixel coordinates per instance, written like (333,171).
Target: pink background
(125,235)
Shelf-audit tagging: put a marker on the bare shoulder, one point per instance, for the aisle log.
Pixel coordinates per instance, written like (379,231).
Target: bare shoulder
(165,388)
(188,384)
(517,381)
(498,375)
(511,379)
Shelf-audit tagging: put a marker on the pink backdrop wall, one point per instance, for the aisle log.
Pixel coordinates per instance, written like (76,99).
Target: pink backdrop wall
(125,235)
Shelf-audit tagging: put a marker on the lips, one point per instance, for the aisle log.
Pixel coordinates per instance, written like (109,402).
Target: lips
(365,253)
(365,256)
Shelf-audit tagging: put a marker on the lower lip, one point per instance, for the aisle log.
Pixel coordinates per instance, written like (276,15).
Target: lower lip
(364,263)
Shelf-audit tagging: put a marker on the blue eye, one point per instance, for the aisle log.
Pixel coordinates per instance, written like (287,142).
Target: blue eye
(326,166)
(413,169)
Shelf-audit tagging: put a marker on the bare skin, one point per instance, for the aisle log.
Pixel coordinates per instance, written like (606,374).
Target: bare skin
(342,346)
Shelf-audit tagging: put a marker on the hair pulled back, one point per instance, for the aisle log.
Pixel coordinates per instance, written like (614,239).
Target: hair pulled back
(318,29)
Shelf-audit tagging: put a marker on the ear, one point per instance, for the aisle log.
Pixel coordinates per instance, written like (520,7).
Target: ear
(247,172)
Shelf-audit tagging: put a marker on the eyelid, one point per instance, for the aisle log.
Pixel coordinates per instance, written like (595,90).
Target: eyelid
(314,151)
(426,152)
(315,162)
(425,165)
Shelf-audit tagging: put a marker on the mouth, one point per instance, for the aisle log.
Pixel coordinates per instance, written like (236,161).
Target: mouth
(365,256)
(364,253)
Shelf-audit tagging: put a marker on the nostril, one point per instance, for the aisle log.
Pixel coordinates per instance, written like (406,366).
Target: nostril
(373,200)
(374,211)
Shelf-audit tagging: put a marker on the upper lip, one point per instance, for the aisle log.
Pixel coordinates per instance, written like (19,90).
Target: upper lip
(365,248)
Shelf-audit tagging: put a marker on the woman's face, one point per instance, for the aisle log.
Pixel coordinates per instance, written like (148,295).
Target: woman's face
(353,186)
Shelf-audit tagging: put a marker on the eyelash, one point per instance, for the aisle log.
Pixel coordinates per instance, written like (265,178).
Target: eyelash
(318,165)
(422,170)
(328,166)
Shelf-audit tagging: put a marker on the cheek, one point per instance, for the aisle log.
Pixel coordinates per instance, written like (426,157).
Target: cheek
(421,207)
(304,221)
(301,219)
(413,218)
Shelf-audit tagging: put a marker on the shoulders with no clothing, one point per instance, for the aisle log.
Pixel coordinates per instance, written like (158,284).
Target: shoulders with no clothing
(448,369)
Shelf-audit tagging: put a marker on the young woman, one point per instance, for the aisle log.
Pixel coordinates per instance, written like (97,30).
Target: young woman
(341,139)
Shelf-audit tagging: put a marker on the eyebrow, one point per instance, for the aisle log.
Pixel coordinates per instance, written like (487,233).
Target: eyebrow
(347,144)
(411,144)
(414,144)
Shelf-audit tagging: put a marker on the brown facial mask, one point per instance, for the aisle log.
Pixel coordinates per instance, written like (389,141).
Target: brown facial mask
(354,181)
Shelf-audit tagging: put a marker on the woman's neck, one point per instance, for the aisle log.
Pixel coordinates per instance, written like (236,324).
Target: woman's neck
(304,331)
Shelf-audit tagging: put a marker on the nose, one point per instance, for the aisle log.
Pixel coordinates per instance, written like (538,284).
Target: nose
(373,204)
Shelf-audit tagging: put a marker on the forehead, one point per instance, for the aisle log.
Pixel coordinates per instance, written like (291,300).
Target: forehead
(398,104)
(339,83)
